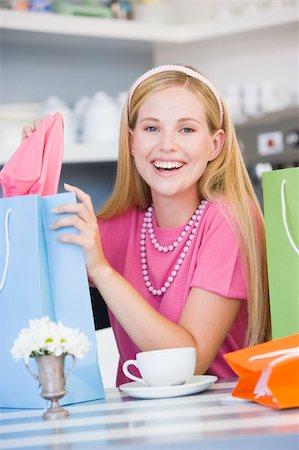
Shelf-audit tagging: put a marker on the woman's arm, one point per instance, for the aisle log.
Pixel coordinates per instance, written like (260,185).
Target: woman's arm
(206,318)
(204,323)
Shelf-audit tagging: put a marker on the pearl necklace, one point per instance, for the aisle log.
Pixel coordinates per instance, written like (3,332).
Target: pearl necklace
(147,225)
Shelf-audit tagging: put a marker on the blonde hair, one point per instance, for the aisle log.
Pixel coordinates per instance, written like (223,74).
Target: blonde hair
(225,178)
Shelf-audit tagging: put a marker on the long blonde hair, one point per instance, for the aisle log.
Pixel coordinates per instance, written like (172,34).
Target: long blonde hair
(225,178)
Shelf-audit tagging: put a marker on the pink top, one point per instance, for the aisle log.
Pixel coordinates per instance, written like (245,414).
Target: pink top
(212,263)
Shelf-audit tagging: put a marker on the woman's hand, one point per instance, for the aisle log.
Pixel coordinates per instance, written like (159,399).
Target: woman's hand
(84,220)
(29,129)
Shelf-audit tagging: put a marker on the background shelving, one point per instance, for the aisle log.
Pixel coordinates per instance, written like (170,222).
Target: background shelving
(143,31)
(72,56)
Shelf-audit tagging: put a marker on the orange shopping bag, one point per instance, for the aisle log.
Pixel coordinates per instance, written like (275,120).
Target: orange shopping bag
(268,373)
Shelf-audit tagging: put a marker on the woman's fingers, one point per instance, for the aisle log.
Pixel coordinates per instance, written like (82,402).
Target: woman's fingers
(75,208)
(84,198)
(26,132)
(36,124)
(78,213)
(81,216)
(28,129)
(78,216)
(73,221)
(88,237)
(73,239)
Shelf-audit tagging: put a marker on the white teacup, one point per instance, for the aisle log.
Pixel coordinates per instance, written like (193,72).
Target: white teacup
(167,367)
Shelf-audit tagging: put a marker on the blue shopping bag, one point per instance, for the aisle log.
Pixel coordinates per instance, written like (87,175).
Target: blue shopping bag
(41,276)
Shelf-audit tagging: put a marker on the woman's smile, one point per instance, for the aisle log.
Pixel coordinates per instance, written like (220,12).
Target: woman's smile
(167,166)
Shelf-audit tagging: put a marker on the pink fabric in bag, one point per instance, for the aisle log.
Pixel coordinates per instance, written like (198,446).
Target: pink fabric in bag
(35,167)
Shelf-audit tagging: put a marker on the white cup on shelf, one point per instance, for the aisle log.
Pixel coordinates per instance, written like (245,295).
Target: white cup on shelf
(251,100)
(155,11)
(78,113)
(192,12)
(272,99)
(233,100)
(101,119)
(13,117)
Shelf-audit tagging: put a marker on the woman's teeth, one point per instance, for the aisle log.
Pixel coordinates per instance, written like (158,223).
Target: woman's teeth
(168,165)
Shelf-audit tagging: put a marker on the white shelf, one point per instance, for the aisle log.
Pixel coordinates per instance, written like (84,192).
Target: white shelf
(271,117)
(143,31)
(76,153)
(105,151)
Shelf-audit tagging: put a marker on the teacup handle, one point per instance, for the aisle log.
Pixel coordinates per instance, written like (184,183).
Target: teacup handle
(131,362)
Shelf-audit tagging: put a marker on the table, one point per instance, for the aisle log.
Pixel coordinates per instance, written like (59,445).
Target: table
(208,420)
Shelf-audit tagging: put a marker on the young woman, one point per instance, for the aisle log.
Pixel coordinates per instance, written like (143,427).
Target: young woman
(178,250)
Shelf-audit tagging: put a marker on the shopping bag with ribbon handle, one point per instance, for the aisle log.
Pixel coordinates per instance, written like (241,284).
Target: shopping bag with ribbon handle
(40,276)
(281,207)
(268,373)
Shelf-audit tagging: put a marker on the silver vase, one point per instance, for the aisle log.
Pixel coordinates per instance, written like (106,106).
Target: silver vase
(52,379)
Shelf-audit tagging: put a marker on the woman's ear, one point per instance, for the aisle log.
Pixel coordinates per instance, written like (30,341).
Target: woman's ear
(218,140)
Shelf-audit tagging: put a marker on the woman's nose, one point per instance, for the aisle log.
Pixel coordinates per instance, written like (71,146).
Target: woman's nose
(168,142)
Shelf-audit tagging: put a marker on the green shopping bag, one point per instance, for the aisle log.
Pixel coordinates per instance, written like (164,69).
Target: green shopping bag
(281,208)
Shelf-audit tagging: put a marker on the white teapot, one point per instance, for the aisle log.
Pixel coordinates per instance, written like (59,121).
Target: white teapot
(101,119)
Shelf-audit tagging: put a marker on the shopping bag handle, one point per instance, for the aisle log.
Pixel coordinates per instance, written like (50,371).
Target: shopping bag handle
(284,217)
(5,269)
(262,389)
(279,353)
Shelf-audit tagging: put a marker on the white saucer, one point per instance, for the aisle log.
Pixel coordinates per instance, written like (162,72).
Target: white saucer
(198,383)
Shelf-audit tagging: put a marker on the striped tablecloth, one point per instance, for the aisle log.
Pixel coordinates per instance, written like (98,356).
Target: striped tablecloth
(208,420)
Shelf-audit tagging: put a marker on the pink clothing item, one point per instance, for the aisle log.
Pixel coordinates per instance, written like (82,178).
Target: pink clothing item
(36,165)
(213,263)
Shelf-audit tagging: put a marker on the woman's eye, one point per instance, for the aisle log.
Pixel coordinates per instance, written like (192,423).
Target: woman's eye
(187,130)
(151,129)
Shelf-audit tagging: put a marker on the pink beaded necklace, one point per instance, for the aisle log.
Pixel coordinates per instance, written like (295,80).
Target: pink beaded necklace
(189,230)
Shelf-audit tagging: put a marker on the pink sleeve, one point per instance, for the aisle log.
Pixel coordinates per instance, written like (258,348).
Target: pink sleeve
(219,266)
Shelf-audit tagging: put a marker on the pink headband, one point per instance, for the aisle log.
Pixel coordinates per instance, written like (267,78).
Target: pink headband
(177,68)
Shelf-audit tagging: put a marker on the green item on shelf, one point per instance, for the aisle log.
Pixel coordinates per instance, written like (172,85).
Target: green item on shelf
(81,10)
